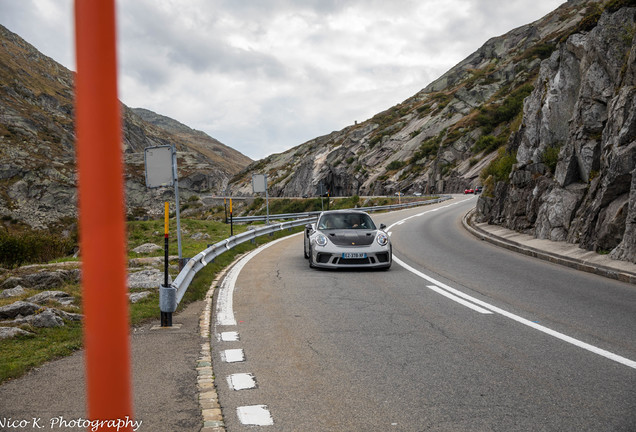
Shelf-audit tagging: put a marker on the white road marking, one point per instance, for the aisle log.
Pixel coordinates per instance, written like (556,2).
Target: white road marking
(256,415)
(458,300)
(233,355)
(229,336)
(596,350)
(241,381)
(225,302)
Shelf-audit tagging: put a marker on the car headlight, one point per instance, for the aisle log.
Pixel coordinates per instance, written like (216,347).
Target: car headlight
(321,240)
(382,239)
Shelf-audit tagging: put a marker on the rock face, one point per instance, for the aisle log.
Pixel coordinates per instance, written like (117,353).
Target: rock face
(575,177)
(37,154)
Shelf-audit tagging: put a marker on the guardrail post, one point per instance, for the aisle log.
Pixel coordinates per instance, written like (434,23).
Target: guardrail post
(167,304)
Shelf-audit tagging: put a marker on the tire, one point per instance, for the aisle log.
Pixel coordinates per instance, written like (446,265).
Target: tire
(390,260)
(310,258)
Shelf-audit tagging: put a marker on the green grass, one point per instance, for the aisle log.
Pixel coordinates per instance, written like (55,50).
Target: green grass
(22,353)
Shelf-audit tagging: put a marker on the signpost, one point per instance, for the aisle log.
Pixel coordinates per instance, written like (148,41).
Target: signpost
(161,171)
(322,195)
(259,185)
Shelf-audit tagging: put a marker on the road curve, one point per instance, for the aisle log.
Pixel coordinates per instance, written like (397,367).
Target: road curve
(393,351)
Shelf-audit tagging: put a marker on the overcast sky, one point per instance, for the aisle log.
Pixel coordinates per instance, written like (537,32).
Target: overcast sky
(263,76)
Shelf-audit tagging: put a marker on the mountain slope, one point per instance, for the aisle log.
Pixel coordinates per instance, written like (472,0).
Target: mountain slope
(213,149)
(440,139)
(37,172)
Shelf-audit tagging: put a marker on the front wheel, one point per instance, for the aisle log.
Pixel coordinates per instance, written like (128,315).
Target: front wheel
(311,258)
(390,259)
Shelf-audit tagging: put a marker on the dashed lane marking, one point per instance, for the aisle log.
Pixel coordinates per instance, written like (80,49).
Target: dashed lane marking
(241,381)
(254,415)
(229,336)
(233,355)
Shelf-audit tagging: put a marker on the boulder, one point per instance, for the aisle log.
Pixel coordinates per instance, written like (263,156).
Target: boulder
(144,279)
(67,315)
(200,236)
(57,296)
(19,308)
(135,297)
(147,248)
(44,280)
(46,318)
(13,292)
(11,332)
(11,282)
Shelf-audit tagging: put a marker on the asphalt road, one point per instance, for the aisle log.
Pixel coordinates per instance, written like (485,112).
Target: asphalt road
(536,347)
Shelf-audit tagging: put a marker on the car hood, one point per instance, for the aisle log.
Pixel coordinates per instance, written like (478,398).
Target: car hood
(350,237)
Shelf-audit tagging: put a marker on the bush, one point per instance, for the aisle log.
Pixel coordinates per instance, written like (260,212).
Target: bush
(427,148)
(550,157)
(395,165)
(33,247)
(489,143)
(492,116)
(501,167)
(590,20)
(615,5)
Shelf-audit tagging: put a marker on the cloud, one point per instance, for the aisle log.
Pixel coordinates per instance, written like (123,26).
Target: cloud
(263,76)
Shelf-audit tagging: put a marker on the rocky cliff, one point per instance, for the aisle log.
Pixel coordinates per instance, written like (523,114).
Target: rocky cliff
(574,173)
(37,168)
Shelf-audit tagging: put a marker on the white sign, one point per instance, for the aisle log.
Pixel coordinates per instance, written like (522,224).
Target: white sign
(159,170)
(259,183)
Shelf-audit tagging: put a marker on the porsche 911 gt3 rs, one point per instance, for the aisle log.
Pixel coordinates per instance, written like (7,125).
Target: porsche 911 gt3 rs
(345,239)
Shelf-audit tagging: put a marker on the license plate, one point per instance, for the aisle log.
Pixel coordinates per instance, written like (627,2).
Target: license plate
(353,255)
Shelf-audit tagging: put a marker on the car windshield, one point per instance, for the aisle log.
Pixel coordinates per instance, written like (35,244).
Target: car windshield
(346,221)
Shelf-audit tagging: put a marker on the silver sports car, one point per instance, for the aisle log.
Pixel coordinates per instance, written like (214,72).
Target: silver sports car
(347,238)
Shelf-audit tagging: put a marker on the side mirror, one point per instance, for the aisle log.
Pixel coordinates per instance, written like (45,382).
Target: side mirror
(382,226)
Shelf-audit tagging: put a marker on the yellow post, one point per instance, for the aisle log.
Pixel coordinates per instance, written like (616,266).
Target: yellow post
(166,317)
(231,219)
(166,219)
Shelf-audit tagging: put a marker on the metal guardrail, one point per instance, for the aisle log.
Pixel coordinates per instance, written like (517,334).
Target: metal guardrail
(283,216)
(171,295)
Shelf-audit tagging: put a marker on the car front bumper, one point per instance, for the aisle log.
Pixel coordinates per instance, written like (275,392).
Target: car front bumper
(330,257)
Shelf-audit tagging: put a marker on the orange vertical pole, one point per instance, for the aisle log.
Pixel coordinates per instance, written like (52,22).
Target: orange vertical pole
(102,213)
